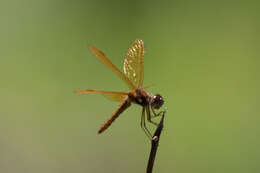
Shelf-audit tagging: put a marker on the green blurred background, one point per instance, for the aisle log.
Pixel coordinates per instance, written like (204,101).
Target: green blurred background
(202,56)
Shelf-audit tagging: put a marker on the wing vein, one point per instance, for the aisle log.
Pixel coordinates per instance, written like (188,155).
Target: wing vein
(102,57)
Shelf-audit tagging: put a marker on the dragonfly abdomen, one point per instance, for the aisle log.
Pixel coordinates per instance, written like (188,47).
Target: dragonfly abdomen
(123,106)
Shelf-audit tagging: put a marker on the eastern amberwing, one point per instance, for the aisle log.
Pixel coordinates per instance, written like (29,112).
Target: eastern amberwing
(133,77)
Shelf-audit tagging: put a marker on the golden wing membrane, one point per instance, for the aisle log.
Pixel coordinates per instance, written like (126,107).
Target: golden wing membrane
(102,57)
(111,95)
(115,97)
(133,63)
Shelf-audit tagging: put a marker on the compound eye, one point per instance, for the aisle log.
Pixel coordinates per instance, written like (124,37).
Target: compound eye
(157,101)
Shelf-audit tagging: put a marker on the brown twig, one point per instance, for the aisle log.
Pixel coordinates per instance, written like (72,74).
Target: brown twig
(155,142)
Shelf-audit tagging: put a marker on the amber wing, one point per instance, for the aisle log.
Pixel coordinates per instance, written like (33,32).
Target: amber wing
(111,95)
(133,63)
(102,57)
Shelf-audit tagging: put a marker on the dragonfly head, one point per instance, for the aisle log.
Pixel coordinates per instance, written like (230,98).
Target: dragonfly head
(157,101)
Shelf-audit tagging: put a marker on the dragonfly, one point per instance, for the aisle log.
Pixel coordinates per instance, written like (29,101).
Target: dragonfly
(133,76)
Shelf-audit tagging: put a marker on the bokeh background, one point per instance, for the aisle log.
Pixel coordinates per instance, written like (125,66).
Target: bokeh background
(202,56)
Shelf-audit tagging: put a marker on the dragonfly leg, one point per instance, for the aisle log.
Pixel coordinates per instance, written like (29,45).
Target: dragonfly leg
(149,116)
(156,114)
(143,125)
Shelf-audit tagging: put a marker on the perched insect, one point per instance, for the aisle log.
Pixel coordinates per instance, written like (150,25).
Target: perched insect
(133,77)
